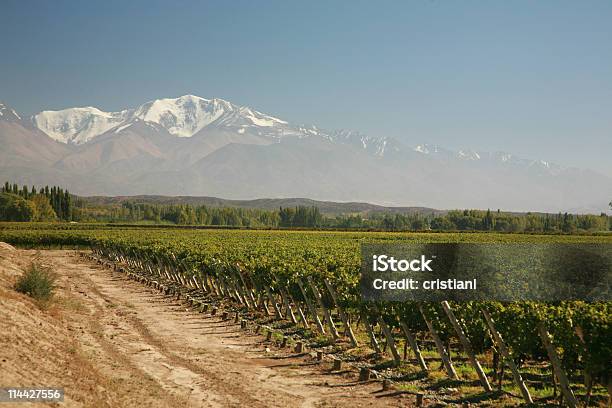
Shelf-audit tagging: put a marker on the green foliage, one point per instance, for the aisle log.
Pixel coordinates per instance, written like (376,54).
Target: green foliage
(44,211)
(15,208)
(67,208)
(311,217)
(58,199)
(300,217)
(476,220)
(36,282)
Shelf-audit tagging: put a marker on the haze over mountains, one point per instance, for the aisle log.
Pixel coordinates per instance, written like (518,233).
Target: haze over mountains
(211,147)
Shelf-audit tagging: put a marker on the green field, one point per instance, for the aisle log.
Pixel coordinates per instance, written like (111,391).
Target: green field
(271,264)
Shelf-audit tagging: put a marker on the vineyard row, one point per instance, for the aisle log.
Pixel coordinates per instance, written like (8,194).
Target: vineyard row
(572,336)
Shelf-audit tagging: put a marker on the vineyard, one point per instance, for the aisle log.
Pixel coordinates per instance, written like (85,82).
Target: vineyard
(302,289)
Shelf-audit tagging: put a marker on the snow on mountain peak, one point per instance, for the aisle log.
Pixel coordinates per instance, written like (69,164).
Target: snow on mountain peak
(77,125)
(421,149)
(427,149)
(187,115)
(468,155)
(260,119)
(182,117)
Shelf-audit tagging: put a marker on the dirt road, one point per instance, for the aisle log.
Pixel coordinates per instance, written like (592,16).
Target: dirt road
(112,342)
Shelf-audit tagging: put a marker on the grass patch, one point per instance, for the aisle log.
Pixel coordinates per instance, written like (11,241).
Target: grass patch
(412,388)
(37,282)
(466,372)
(321,341)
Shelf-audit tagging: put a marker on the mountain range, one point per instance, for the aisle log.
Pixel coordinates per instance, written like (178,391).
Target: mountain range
(192,146)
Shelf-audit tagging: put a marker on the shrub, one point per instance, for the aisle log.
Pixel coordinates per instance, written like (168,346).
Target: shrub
(15,208)
(37,282)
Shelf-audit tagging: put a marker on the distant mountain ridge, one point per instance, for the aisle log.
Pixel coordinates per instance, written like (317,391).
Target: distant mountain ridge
(326,207)
(192,146)
(184,116)
(187,115)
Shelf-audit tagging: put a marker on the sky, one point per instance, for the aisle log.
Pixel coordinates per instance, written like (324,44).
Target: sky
(533,78)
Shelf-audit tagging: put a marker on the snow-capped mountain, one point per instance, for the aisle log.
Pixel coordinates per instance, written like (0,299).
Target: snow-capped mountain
(195,146)
(78,125)
(184,116)
(189,115)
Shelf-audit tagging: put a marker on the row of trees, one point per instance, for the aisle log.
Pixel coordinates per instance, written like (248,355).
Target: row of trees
(477,220)
(29,204)
(179,214)
(307,217)
(50,203)
(311,217)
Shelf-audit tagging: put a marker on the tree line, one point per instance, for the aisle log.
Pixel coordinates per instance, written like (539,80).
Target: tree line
(498,221)
(54,203)
(311,217)
(29,204)
(129,211)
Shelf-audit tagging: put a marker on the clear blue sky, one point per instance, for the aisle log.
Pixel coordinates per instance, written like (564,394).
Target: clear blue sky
(532,78)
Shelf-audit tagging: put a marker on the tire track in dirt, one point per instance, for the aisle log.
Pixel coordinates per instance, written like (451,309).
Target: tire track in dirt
(132,344)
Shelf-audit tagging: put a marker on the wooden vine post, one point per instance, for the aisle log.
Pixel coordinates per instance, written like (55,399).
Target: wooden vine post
(326,314)
(388,336)
(300,311)
(205,289)
(288,309)
(225,291)
(448,365)
(241,290)
(236,293)
(220,284)
(366,322)
(570,399)
(246,292)
(259,294)
(414,346)
(252,296)
(277,311)
(497,338)
(254,292)
(214,285)
(347,325)
(467,347)
(311,308)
